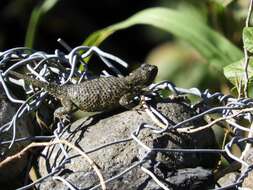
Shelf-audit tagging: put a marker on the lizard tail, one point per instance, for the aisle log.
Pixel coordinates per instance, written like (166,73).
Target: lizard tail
(28,79)
(52,89)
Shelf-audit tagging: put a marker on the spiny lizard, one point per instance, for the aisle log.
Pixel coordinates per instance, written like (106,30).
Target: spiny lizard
(98,94)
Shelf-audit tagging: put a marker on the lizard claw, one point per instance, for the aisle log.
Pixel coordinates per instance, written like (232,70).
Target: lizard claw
(138,109)
(62,118)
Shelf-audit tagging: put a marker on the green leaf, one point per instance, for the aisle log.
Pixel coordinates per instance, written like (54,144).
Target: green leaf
(210,44)
(48,5)
(37,13)
(224,2)
(235,72)
(248,38)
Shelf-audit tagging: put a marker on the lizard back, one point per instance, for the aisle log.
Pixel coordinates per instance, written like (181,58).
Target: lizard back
(98,94)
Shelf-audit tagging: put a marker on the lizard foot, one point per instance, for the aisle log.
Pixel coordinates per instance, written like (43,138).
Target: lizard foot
(62,118)
(139,109)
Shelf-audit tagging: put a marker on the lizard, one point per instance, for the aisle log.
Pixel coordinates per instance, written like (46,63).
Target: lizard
(99,94)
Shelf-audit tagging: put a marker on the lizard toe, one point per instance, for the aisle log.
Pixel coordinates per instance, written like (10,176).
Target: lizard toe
(62,118)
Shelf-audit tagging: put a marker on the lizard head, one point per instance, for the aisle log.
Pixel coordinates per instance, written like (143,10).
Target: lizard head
(144,75)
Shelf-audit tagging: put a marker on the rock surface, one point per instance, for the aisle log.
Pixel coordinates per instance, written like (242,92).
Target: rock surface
(248,181)
(10,171)
(101,129)
(228,179)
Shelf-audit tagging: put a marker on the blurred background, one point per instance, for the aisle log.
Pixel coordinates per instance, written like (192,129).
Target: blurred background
(74,21)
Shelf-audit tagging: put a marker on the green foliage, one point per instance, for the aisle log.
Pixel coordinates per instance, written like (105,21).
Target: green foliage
(235,71)
(176,61)
(248,38)
(216,49)
(37,13)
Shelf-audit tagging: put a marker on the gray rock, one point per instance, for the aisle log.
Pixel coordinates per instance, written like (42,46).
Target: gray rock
(248,181)
(228,179)
(11,170)
(89,133)
(191,178)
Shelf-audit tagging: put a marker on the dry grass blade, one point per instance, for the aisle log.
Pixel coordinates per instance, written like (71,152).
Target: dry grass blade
(44,144)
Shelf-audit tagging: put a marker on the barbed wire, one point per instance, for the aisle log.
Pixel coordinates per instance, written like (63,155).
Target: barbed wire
(64,68)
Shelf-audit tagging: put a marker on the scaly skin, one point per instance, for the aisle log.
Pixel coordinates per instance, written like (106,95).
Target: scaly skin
(99,94)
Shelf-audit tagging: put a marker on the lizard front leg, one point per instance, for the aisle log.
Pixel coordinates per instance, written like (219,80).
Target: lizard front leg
(127,100)
(67,107)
